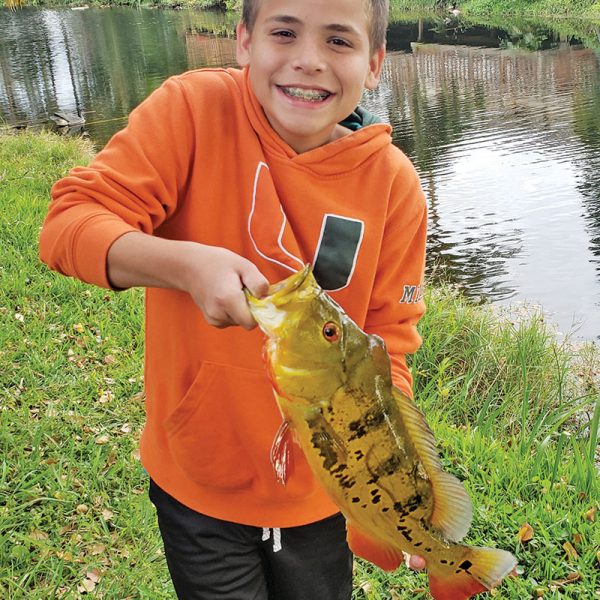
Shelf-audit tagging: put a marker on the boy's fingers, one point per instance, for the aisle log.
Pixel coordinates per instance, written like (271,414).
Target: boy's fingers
(255,281)
(414,562)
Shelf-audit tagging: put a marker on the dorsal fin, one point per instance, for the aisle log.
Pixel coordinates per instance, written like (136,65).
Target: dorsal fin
(452,511)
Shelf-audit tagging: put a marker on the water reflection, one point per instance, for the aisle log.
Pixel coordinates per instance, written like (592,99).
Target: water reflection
(508,149)
(97,63)
(506,140)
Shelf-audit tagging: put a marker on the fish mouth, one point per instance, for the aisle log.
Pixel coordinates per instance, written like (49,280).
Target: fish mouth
(270,311)
(278,291)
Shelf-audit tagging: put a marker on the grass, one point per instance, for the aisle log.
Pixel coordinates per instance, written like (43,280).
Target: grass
(516,416)
(549,8)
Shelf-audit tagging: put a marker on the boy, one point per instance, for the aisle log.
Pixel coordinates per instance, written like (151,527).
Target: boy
(224,179)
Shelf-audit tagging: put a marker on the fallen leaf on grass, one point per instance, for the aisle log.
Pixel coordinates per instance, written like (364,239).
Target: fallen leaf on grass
(86,586)
(111,459)
(94,575)
(559,583)
(96,549)
(525,534)
(577,538)
(66,529)
(365,586)
(571,552)
(107,514)
(106,396)
(36,534)
(590,515)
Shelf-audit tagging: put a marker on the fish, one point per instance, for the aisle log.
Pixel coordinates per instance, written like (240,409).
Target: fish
(366,442)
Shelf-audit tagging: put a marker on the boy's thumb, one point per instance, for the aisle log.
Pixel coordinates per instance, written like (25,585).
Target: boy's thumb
(255,281)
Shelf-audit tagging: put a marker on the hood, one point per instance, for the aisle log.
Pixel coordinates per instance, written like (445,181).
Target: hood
(369,135)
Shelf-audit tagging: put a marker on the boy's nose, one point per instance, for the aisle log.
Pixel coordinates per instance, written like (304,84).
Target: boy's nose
(308,58)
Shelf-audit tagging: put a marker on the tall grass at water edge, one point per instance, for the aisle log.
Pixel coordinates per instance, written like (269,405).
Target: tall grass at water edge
(513,412)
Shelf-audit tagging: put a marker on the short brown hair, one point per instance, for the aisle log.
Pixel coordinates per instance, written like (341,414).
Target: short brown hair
(377,11)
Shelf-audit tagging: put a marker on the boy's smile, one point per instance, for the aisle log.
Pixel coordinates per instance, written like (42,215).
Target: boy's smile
(309,61)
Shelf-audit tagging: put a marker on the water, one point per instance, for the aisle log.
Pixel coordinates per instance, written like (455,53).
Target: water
(503,125)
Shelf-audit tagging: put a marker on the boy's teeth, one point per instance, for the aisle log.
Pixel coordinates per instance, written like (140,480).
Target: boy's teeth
(311,95)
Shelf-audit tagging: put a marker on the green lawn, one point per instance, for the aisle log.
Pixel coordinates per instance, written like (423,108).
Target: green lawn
(513,413)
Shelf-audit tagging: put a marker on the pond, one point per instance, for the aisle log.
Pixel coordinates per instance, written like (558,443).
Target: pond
(502,123)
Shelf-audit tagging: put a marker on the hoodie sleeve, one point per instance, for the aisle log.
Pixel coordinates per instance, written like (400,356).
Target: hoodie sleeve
(397,298)
(132,185)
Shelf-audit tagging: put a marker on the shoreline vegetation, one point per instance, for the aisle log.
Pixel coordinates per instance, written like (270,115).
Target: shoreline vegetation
(586,9)
(515,411)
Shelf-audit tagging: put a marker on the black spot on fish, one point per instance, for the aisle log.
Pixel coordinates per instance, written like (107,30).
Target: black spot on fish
(376,499)
(345,481)
(373,480)
(465,565)
(444,561)
(370,420)
(359,454)
(321,442)
(356,499)
(413,502)
(399,508)
(389,466)
(374,492)
(405,531)
(385,509)
(427,549)
(417,544)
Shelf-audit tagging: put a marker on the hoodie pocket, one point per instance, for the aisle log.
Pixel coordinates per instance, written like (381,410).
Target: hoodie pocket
(203,430)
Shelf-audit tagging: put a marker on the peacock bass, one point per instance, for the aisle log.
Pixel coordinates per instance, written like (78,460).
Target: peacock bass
(366,442)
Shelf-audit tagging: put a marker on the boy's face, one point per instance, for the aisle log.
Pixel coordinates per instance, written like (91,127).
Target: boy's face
(309,61)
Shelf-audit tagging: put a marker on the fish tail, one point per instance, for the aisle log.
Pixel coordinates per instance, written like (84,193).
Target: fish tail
(480,570)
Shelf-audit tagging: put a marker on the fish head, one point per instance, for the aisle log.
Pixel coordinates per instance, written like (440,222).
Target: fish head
(309,337)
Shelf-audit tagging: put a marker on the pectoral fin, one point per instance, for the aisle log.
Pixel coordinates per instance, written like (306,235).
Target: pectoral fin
(379,553)
(281,453)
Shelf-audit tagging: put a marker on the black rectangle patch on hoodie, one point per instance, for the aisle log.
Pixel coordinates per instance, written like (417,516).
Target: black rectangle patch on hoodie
(337,251)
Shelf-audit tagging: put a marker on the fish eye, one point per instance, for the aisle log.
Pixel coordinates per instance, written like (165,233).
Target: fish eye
(331,331)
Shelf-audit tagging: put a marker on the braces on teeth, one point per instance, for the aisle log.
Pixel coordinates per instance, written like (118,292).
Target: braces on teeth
(312,95)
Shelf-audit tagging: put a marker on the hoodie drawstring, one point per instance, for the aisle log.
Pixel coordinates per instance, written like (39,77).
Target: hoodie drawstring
(266,534)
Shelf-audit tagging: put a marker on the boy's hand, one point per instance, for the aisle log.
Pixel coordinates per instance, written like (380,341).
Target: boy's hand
(213,276)
(215,280)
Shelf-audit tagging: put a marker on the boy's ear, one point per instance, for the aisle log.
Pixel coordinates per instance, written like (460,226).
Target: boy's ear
(242,45)
(375,65)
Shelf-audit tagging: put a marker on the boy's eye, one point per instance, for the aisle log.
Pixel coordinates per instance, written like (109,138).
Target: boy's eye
(340,42)
(283,33)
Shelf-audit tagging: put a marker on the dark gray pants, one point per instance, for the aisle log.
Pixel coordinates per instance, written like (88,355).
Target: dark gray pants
(211,559)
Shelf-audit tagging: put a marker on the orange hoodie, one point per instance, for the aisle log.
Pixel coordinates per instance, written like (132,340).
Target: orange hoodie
(199,161)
